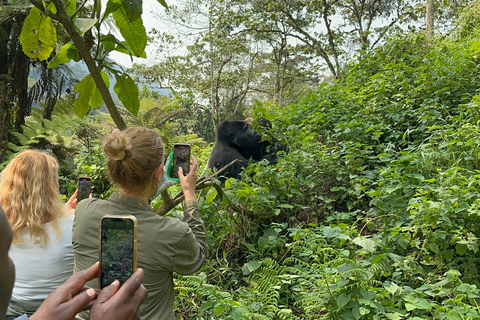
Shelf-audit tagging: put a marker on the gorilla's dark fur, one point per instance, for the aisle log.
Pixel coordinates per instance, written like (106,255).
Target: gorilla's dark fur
(236,139)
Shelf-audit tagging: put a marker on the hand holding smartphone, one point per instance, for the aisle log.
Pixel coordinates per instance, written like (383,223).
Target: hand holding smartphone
(84,188)
(181,158)
(118,249)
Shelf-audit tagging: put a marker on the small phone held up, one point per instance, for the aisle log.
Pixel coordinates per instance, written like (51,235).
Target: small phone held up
(84,188)
(181,158)
(118,249)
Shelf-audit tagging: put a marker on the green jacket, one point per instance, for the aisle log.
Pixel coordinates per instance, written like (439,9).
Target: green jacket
(165,245)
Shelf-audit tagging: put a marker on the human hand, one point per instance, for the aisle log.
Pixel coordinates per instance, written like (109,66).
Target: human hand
(70,298)
(71,204)
(122,304)
(189,181)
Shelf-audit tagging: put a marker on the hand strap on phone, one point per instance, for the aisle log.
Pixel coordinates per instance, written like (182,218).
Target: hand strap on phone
(168,181)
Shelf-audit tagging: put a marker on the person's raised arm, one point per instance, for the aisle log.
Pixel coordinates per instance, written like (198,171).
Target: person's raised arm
(193,248)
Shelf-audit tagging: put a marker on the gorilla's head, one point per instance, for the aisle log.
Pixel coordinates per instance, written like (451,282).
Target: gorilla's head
(237,134)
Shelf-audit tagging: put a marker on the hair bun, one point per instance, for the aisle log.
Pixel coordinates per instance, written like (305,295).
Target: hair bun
(117,145)
(119,156)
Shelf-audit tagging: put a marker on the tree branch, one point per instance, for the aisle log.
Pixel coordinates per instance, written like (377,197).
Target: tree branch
(170,203)
(84,52)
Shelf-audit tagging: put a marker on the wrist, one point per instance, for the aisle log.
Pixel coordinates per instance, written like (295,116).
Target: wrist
(190,195)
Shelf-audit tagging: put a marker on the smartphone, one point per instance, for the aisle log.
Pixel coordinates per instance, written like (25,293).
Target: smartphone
(181,158)
(84,188)
(118,249)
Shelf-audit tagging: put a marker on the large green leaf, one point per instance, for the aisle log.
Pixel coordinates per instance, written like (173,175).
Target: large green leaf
(85,90)
(112,6)
(133,9)
(96,96)
(38,35)
(365,243)
(133,32)
(127,92)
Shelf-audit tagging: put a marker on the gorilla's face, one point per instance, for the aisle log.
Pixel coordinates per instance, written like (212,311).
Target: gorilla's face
(245,137)
(238,134)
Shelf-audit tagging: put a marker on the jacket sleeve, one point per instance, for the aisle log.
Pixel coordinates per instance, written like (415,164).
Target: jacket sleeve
(192,247)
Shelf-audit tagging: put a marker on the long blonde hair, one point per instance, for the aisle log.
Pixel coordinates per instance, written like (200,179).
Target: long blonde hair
(30,195)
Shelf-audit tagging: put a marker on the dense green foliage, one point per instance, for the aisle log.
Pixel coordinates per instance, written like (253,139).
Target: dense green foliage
(373,213)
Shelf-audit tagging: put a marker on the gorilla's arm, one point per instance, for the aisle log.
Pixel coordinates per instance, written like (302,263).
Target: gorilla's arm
(221,156)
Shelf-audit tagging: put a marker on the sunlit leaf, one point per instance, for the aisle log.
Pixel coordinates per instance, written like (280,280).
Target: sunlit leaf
(61,57)
(38,35)
(211,195)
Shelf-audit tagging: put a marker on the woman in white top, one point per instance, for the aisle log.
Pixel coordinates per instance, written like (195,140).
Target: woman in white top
(42,228)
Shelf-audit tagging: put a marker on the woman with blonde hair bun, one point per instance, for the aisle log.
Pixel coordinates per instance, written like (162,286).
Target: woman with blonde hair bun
(42,228)
(165,244)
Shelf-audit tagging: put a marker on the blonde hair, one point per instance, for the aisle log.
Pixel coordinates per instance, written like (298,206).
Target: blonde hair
(30,195)
(133,155)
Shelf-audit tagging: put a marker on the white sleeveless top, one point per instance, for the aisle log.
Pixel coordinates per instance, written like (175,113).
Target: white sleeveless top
(40,270)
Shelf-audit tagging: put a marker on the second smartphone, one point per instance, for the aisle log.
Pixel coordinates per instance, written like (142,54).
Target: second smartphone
(181,158)
(118,249)
(84,188)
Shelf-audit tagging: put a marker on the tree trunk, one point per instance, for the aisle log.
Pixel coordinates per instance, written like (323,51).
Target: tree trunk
(429,14)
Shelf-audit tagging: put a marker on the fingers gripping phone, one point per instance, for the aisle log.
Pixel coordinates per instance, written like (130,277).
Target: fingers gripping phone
(181,158)
(118,249)
(84,188)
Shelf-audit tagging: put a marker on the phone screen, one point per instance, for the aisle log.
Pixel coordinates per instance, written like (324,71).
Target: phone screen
(84,188)
(118,249)
(181,158)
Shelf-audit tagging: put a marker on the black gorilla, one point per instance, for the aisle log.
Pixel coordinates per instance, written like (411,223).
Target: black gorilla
(236,139)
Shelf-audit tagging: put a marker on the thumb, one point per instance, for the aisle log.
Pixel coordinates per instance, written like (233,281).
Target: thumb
(108,292)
